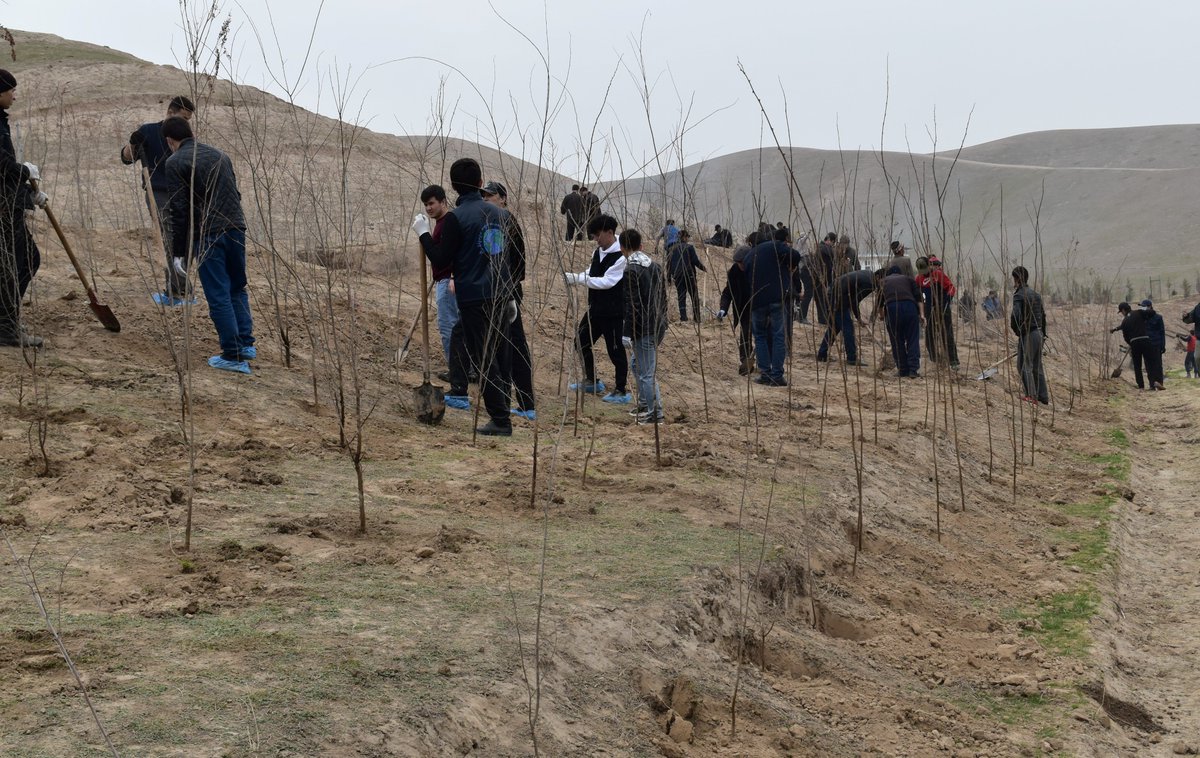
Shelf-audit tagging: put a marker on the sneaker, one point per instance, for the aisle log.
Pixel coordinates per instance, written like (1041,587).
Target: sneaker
(494,429)
(954,367)
(638,410)
(915,375)
(822,359)
(458,402)
(592,387)
(1028,399)
(529,415)
(22,340)
(771,381)
(443,376)
(248,353)
(620,398)
(240,367)
(649,417)
(859,362)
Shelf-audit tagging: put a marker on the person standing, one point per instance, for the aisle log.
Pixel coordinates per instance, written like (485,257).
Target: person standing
(1156,330)
(606,311)
(204,214)
(521,363)
(735,301)
(476,243)
(669,235)
(821,268)
(1133,331)
(645,322)
(437,206)
(682,263)
(939,293)
(769,268)
(905,310)
(148,146)
(19,255)
(900,259)
(572,208)
(1028,322)
(591,207)
(849,290)
(1189,357)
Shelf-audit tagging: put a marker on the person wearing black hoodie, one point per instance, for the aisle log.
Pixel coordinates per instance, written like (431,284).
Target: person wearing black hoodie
(735,301)
(1133,331)
(682,263)
(1156,330)
(19,256)
(476,243)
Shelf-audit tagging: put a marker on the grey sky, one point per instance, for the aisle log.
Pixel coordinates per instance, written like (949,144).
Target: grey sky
(1024,65)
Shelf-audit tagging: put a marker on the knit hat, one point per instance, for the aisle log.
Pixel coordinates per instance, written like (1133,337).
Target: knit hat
(7,81)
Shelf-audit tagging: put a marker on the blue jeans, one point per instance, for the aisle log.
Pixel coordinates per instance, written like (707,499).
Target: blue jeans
(770,339)
(222,271)
(843,321)
(904,330)
(645,363)
(447,313)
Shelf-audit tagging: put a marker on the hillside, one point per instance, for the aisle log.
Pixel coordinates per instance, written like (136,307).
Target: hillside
(855,564)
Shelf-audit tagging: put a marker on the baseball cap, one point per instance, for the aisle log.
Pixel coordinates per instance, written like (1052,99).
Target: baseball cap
(495,188)
(934,260)
(1146,303)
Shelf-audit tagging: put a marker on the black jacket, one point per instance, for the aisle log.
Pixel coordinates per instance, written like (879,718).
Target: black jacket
(204,197)
(682,261)
(1156,330)
(572,207)
(152,151)
(14,177)
(850,289)
(645,298)
(769,268)
(1133,327)
(1027,312)
(735,298)
(477,243)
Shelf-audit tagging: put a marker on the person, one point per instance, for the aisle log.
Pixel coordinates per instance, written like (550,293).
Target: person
(682,263)
(991,306)
(845,256)
(1028,322)
(669,235)
(966,307)
(1133,331)
(769,268)
(645,322)
(591,207)
(521,362)
(147,146)
(905,310)
(735,301)
(720,238)
(572,208)
(805,281)
(900,259)
(606,311)
(848,291)
(939,293)
(1156,330)
(437,206)
(204,210)
(821,268)
(477,243)
(1189,357)
(19,255)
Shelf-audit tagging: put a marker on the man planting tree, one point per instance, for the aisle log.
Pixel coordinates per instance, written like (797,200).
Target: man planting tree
(204,213)
(19,257)
(148,146)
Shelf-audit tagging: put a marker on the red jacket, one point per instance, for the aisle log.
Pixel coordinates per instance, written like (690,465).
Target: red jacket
(937,276)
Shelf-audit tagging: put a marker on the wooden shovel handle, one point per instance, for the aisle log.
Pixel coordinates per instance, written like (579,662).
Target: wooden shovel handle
(66,245)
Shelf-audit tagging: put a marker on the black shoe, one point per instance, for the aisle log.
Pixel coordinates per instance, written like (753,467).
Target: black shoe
(444,376)
(492,429)
(22,340)
(914,375)
(822,360)
(858,362)
(770,382)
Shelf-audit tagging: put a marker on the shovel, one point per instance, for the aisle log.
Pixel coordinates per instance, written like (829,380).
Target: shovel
(430,399)
(103,312)
(1116,374)
(993,369)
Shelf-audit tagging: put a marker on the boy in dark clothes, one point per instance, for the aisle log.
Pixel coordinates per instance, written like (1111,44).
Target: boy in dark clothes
(848,291)
(682,263)
(645,322)
(606,310)
(1133,331)
(735,301)
(521,363)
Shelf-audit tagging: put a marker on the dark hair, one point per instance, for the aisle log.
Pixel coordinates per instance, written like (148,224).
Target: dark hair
(831,237)
(574,187)
(466,176)
(894,270)
(1021,274)
(602,223)
(630,239)
(433,192)
(752,239)
(684,234)
(181,103)
(670,222)
(717,227)
(176,128)
(583,189)
(880,273)
(894,246)
(782,234)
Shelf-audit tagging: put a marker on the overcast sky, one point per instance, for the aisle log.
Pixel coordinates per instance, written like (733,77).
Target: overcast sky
(1022,65)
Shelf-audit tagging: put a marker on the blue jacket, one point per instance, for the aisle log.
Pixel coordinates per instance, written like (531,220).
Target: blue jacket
(769,270)
(477,243)
(1156,330)
(153,153)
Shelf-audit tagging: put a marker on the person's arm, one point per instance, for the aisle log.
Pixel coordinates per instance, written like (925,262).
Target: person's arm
(608,280)
(179,198)
(441,253)
(11,169)
(696,259)
(1016,315)
(516,250)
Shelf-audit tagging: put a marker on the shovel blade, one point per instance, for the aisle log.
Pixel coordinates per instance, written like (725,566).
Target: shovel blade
(106,316)
(987,374)
(430,401)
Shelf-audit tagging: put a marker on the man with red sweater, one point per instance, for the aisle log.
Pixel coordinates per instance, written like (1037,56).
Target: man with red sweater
(939,294)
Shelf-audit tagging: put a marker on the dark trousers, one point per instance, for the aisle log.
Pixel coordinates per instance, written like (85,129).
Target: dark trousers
(685,286)
(745,337)
(592,327)
(806,297)
(939,334)
(19,261)
(522,364)
(1189,363)
(222,272)
(1139,356)
(485,333)
(904,331)
(1029,366)
(459,364)
(574,230)
(176,283)
(1154,365)
(842,321)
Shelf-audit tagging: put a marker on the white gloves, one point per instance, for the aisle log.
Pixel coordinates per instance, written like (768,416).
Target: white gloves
(627,342)
(40,199)
(720,315)
(179,267)
(572,278)
(33,172)
(510,312)
(420,224)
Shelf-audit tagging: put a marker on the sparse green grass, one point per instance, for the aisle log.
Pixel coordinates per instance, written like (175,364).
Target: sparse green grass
(36,52)
(1063,620)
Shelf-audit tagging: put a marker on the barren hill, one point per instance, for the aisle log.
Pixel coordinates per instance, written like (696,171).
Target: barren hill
(854,564)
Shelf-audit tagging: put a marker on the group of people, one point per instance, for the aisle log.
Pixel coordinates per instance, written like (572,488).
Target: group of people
(580,206)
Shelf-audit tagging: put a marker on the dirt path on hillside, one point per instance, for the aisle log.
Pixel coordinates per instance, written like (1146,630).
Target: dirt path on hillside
(1150,646)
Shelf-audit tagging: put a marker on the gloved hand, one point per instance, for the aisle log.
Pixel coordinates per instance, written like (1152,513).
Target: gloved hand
(40,199)
(510,312)
(33,172)
(627,342)
(721,315)
(179,266)
(573,278)
(420,224)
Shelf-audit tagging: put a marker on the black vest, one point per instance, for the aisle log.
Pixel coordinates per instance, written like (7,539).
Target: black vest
(609,302)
